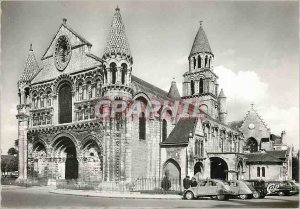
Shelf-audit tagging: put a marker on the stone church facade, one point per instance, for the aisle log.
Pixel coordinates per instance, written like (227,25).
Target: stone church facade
(62,137)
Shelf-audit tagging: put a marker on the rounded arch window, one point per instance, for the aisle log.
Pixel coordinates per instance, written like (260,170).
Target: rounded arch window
(65,103)
(113,70)
(124,72)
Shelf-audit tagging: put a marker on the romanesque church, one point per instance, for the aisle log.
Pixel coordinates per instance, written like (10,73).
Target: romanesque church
(61,137)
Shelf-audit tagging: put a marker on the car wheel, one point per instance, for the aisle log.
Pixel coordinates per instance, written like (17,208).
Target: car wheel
(221,197)
(212,197)
(243,196)
(189,195)
(281,193)
(249,196)
(256,194)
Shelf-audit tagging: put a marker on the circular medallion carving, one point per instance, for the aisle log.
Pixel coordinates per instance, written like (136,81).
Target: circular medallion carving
(62,53)
(251,126)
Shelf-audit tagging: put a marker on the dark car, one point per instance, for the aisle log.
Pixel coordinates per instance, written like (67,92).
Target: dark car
(209,188)
(295,187)
(280,188)
(260,188)
(241,189)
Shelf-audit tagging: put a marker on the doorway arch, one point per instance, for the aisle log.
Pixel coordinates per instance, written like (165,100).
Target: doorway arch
(172,169)
(252,144)
(64,148)
(218,168)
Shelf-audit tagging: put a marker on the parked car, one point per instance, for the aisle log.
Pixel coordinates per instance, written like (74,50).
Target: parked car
(295,187)
(209,188)
(260,188)
(241,189)
(280,188)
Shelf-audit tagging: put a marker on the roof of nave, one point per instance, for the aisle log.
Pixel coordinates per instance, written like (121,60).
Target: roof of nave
(281,154)
(180,133)
(235,124)
(261,157)
(143,86)
(117,42)
(31,67)
(201,43)
(173,92)
(207,117)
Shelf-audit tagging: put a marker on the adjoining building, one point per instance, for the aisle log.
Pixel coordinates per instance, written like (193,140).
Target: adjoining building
(267,156)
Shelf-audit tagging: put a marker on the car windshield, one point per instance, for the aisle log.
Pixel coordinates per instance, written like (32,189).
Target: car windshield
(292,183)
(224,182)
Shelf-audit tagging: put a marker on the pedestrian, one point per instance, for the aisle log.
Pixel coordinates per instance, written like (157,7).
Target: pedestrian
(194,182)
(186,182)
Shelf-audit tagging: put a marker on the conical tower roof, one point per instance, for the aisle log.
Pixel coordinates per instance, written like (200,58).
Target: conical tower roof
(31,67)
(222,95)
(201,43)
(117,42)
(173,92)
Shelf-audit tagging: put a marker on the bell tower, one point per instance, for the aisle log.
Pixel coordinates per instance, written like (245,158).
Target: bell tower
(117,61)
(200,82)
(24,85)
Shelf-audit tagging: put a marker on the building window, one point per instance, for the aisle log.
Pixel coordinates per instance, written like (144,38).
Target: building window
(192,87)
(113,71)
(124,71)
(41,100)
(206,61)
(142,126)
(194,61)
(65,103)
(98,88)
(258,171)
(263,172)
(199,61)
(49,99)
(201,86)
(89,89)
(80,92)
(164,130)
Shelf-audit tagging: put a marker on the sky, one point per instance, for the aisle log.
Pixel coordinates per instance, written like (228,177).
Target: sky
(255,46)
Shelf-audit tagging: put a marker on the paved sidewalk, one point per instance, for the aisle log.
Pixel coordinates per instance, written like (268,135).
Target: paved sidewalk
(131,195)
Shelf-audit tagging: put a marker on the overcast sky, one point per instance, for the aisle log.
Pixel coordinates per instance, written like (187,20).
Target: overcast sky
(255,46)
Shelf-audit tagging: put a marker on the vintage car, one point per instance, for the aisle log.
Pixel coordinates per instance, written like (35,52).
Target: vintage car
(260,188)
(295,187)
(280,188)
(209,188)
(241,189)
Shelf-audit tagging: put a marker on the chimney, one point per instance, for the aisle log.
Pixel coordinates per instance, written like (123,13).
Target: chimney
(282,136)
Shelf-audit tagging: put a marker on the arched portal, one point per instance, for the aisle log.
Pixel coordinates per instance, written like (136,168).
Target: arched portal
(39,155)
(252,144)
(65,103)
(198,170)
(172,169)
(218,168)
(92,165)
(65,149)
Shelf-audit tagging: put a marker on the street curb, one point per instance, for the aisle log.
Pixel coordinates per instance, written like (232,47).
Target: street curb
(123,197)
